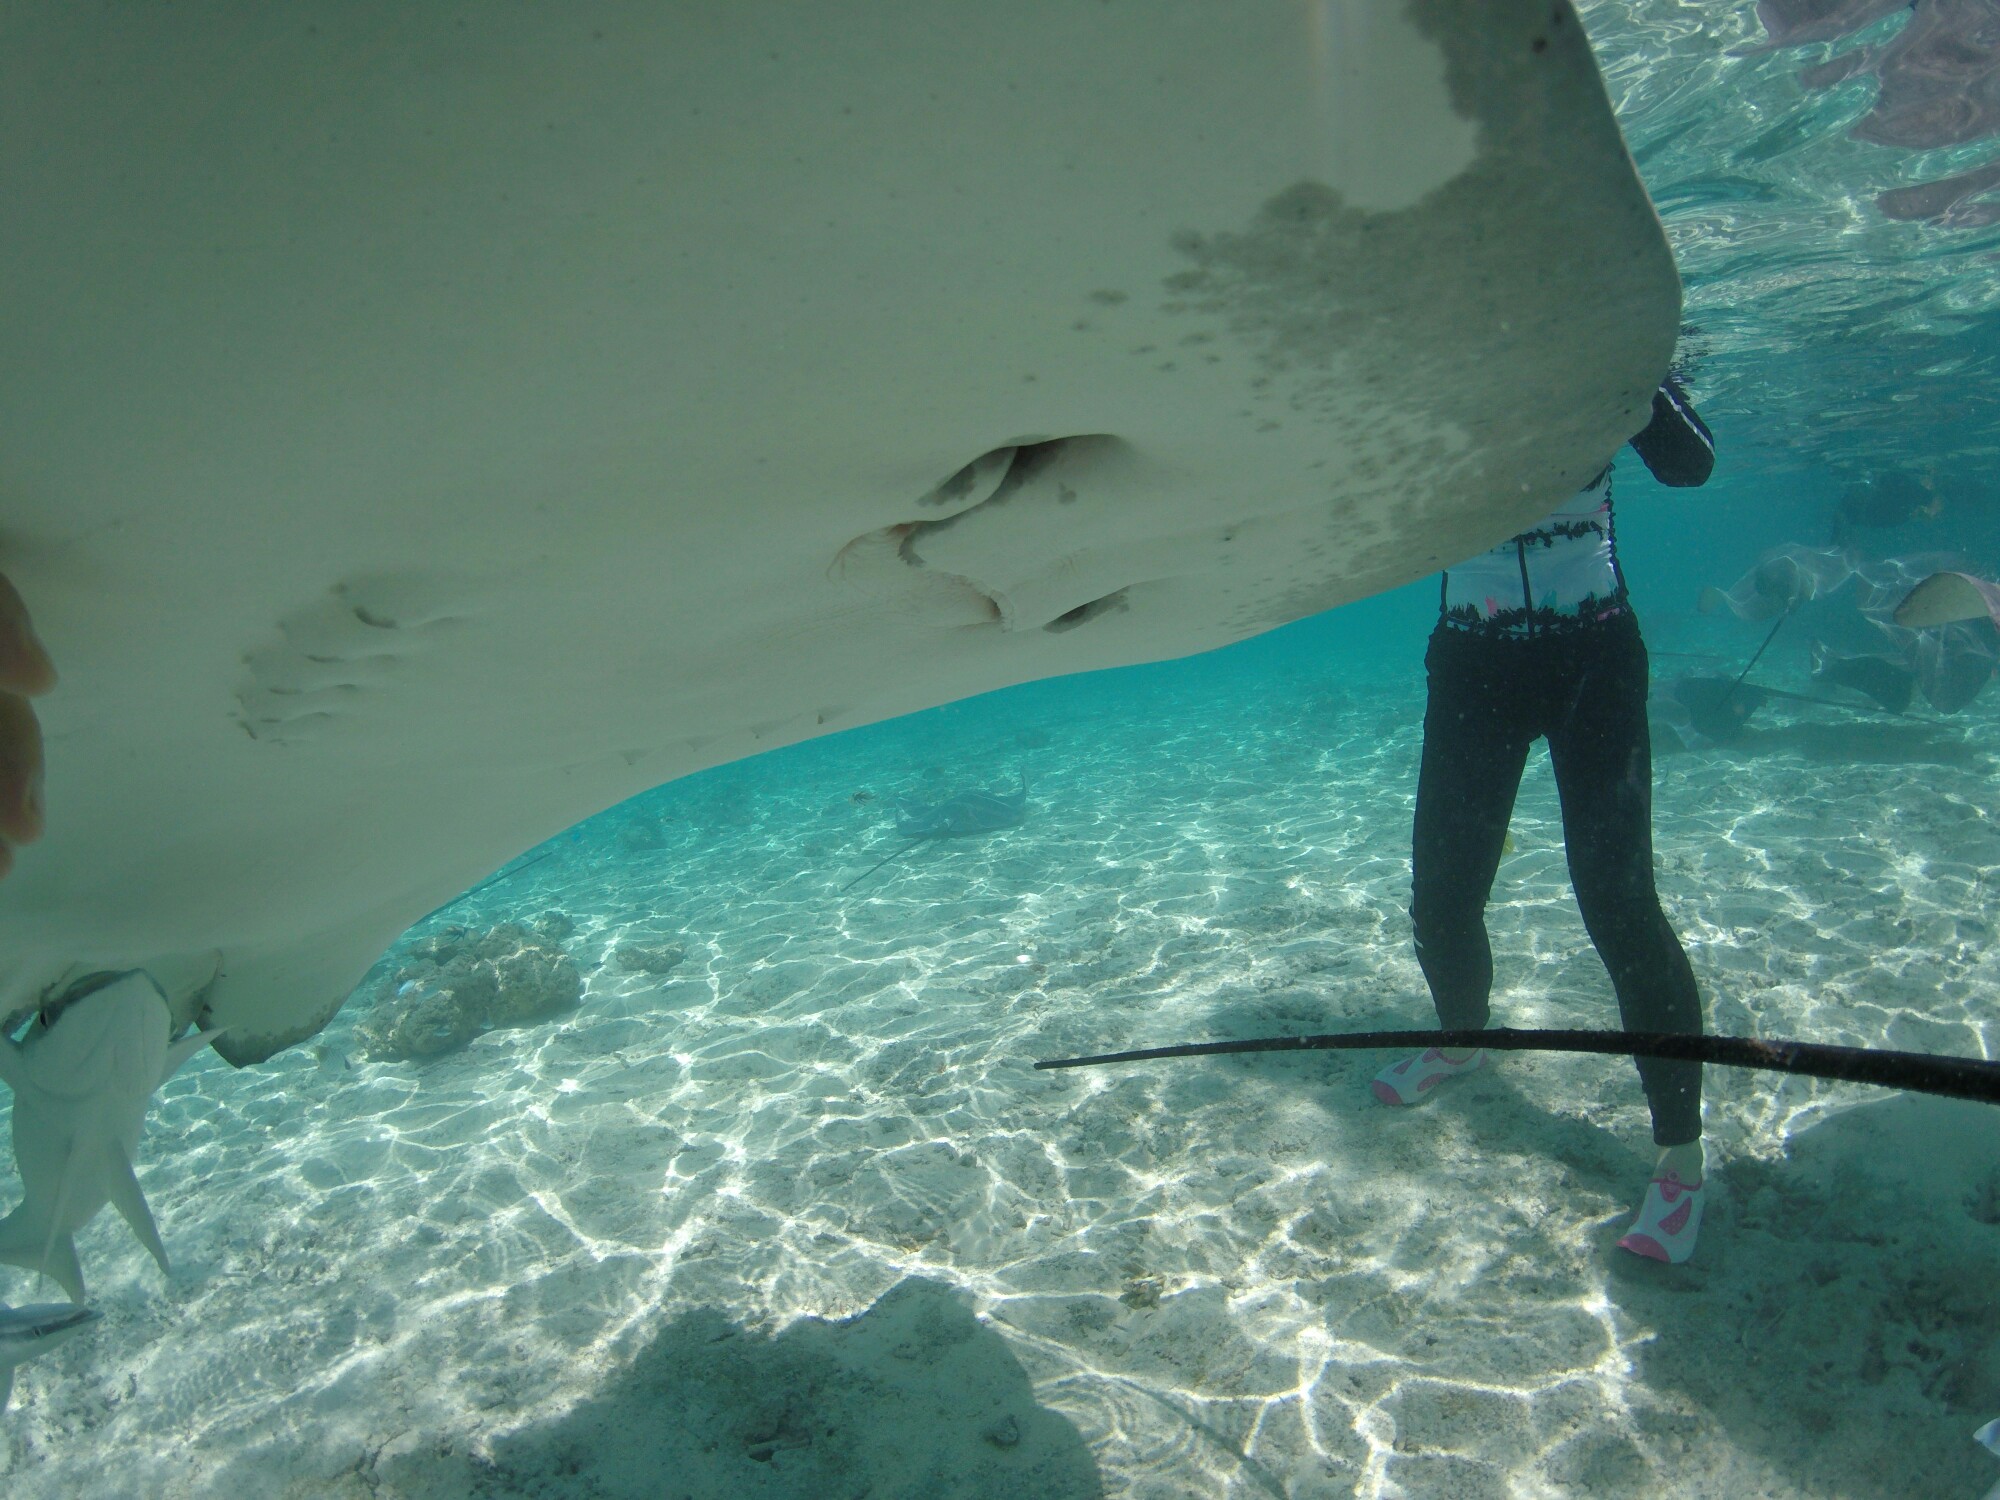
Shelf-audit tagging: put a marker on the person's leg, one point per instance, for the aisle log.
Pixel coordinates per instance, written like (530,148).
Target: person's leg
(1475,745)
(1604,774)
(1603,764)
(1474,750)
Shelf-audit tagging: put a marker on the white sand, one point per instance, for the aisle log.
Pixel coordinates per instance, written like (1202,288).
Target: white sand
(588,1258)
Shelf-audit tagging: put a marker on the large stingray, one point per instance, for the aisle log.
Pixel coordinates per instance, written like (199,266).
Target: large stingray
(429,424)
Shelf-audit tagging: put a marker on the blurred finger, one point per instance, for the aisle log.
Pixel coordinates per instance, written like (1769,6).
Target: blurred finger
(24,662)
(20,771)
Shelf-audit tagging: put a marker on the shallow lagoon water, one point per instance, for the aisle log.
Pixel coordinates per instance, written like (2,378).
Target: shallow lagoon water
(794,1216)
(576,1257)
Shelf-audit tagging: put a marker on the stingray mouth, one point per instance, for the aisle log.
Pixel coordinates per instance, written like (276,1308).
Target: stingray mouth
(1031,539)
(880,565)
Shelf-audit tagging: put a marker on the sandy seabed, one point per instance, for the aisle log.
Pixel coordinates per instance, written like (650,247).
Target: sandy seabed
(795,1217)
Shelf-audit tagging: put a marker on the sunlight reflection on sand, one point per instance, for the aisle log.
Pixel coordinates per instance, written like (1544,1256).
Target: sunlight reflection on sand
(1236,1276)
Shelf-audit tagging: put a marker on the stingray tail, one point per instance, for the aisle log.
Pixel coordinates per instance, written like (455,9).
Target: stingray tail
(1730,691)
(905,849)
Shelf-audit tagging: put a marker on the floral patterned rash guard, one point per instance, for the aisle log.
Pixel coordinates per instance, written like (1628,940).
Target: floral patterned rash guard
(1563,573)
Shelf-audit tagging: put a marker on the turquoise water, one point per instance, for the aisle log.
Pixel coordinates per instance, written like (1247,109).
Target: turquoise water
(780,1208)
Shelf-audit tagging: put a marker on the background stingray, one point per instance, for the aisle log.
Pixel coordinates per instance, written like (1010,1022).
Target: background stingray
(1945,597)
(1705,710)
(1783,579)
(1884,680)
(1954,663)
(1882,501)
(1937,76)
(965,815)
(429,426)
(1950,659)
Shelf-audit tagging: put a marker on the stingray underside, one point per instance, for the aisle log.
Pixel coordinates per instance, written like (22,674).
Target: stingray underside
(428,425)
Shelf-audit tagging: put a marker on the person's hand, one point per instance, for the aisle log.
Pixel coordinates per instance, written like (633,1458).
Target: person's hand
(25,670)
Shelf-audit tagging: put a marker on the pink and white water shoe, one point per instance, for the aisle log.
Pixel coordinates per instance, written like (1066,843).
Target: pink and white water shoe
(1411,1080)
(1668,1220)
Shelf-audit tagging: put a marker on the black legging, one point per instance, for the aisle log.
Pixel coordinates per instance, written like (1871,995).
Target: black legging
(1491,697)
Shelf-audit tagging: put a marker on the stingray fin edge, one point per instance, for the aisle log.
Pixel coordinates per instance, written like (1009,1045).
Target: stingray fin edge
(130,1201)
(52,1255)
(179,1053)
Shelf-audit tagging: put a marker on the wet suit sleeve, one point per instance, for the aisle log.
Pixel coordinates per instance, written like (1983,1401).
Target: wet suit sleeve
(1676,444)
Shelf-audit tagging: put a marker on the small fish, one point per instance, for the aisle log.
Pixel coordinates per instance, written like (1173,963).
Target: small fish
(28,1331)
(1989,1435)
(82,1081)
